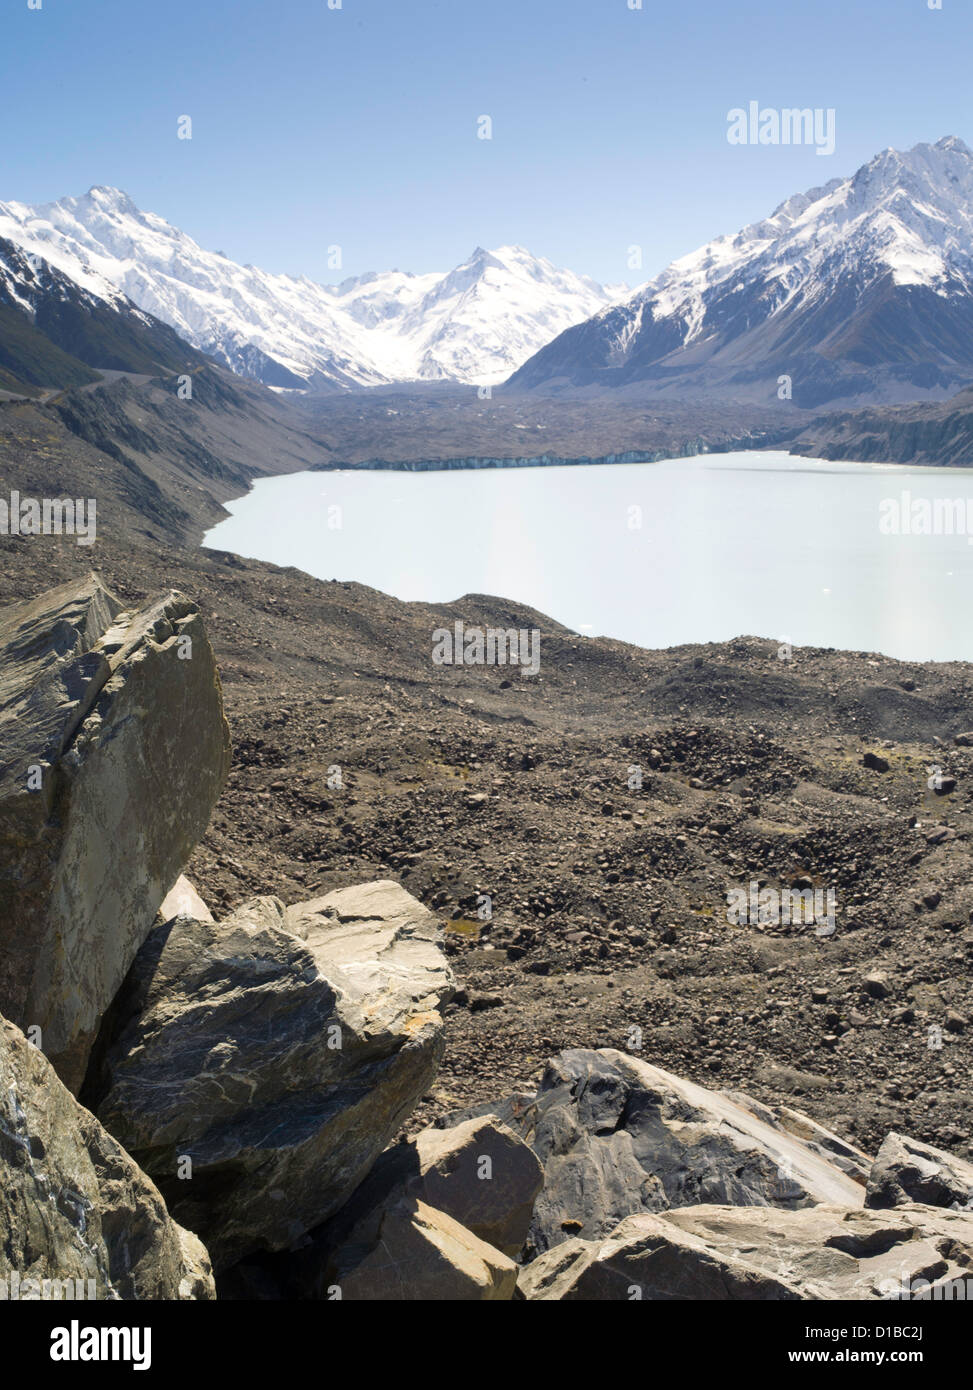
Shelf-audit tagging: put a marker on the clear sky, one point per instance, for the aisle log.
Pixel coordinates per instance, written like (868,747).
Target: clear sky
(357,126)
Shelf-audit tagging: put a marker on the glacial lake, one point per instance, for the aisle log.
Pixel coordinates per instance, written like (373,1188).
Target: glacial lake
(658,554)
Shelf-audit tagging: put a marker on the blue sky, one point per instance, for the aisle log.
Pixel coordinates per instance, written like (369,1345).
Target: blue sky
(358,126)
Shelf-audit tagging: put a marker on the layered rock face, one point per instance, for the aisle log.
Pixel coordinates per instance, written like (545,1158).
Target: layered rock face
(277,1051)
(113,750)
(73,1205)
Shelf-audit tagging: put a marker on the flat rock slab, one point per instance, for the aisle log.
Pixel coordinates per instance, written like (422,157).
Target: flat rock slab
(617,1136)
(741,1254)
(73,1205)
(113,750)
(278,1052)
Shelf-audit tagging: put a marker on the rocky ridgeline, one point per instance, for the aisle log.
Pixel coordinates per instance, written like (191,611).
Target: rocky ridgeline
(241,1082)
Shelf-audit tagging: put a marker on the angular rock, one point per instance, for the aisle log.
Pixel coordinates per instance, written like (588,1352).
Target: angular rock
(279,1050)
(744,1253)
(417,1253)
(478,1173)
(73,1204)
(182,900)
(906,1170)
(482,1175)
(617,1136)
(113,751)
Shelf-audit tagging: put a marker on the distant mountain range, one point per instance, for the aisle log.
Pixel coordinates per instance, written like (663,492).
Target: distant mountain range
(475,324)
(862,290)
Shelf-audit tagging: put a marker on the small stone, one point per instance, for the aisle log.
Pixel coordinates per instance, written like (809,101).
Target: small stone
(877,984)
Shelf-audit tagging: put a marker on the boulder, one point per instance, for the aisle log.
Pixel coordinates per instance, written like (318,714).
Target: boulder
(113,751)
(479,1174)
(258,1066)
(73,1204)
(835,1253)
(744,1253)
(906,1170)
(618,1136)
(416,1253)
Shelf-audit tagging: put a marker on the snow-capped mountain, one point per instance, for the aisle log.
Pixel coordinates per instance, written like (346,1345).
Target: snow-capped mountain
(476,324)
(861,288)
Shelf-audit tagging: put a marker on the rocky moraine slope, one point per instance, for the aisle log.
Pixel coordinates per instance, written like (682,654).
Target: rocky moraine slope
(446,914)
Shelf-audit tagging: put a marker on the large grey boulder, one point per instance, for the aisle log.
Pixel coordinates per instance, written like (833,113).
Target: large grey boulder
(73,1205)
(479,1173)
(618,1136)
(720,1253)
(113,751)
(278,1052)
(906,1170)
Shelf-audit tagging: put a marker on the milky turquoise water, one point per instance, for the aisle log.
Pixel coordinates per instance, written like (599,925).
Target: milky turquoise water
(689,550)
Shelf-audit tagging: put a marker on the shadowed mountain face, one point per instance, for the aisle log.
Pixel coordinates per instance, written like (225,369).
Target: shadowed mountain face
(860,290)
(56,333)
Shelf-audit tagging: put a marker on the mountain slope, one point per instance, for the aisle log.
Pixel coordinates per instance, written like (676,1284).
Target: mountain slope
(57,333)
(860,289)
(475,324)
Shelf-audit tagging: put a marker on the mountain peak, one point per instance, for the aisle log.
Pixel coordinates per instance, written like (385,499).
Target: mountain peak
(953,143)
(108,196)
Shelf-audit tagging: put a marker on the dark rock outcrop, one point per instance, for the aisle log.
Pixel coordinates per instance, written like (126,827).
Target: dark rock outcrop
(906,1170)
